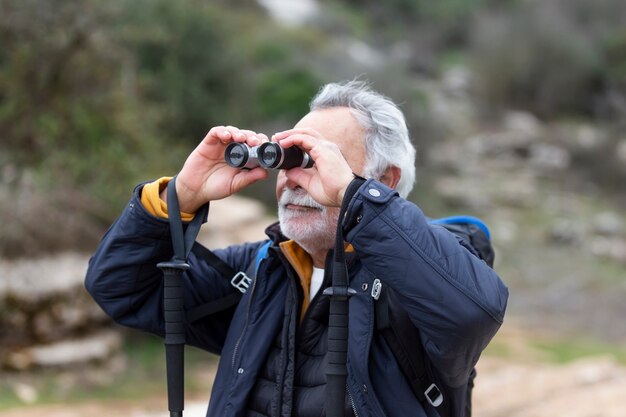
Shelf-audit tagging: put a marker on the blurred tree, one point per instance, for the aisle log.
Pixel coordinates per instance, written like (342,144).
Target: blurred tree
(286,93)
(613,103)
(65,123)
(553,58)
(90,92)
(186,64)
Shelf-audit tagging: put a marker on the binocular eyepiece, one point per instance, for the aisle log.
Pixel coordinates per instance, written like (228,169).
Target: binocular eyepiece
(269,155)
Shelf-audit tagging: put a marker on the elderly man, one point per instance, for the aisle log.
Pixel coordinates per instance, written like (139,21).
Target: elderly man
(273,345)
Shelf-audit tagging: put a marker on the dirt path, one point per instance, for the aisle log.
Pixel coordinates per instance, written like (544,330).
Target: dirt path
(594,387)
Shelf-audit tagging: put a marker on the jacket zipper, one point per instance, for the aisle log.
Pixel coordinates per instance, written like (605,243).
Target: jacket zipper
(356,414)
(245,327)
(289,349)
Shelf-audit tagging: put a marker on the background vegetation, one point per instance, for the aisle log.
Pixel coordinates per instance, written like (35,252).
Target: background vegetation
(97,96)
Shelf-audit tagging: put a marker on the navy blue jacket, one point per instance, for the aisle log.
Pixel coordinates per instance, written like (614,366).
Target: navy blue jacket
(455,300)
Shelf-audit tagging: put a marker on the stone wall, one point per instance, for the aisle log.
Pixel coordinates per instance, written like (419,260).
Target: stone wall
(47,319)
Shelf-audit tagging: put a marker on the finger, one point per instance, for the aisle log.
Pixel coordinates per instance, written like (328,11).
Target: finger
(225,134)
(253,138)
(237,134)
(218,133)
(302,140)
(245,178)
(263,138)
(301,130)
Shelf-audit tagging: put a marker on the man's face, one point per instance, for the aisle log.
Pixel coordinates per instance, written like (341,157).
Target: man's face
(302,219)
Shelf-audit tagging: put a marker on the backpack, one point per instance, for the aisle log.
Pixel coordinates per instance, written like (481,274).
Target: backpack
(393,324)
(400,334)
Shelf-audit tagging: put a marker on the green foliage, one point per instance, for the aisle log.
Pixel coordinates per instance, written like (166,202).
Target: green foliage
(564,351)
(62,109)
(614,49)
(187,66)
(286,94)
(95,97)
(553,58)
(556,350)
(430,25)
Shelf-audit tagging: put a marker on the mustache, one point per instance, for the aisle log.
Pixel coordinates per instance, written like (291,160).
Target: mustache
(299,199)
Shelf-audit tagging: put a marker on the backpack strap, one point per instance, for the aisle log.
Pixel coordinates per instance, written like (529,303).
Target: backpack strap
(403,338)
(240,280)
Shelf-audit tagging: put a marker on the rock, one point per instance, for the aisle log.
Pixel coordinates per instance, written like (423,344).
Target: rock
(44,300)
(25,392)
(608,224)
(522,122)
(95,347)
(49,319)
(566,233)
(34,280)
(515,190)
(506,148)
(457,81)
(547,157)
(450,114)
(233,221)
(291,13)
(609,247)
(589,137)
(505,231)
(462,193)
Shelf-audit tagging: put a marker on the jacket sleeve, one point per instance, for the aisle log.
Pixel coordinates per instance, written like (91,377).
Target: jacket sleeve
(454,298)
(124,280)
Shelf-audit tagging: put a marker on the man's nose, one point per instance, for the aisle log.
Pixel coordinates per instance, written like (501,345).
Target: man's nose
(292,185)
(283,181)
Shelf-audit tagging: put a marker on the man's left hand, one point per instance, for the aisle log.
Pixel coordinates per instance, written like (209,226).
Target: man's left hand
(327,181)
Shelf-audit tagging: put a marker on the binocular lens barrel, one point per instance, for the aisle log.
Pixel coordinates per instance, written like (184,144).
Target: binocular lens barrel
(271,155)
(240,155)
(268,155)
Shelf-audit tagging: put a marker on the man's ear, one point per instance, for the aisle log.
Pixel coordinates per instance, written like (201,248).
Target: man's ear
(391,176)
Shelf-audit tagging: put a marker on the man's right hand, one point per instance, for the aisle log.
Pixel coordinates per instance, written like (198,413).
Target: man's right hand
(206,176)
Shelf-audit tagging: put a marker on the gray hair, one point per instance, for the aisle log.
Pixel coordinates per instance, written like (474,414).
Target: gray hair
(387,141)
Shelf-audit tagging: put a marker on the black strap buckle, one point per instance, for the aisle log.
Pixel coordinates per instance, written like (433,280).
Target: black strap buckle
(341,293)
(433,395)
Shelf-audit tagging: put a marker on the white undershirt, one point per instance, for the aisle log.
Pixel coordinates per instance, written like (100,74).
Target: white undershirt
(316,282)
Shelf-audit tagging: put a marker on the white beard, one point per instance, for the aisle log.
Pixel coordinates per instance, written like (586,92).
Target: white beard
(315,229)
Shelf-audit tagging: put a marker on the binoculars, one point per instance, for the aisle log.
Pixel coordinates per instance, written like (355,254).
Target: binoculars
(269,155)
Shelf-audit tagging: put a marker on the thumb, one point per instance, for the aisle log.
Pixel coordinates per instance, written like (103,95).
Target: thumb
(300,176)
(244,177)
